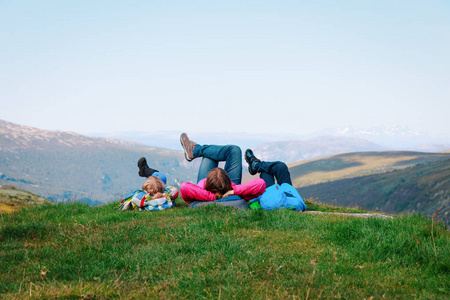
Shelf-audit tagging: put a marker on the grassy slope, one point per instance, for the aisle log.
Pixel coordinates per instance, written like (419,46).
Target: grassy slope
(13,199)
(72,250)
(422,188)
(350,165)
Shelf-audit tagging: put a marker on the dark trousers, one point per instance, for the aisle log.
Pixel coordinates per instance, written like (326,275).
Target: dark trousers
(274,170)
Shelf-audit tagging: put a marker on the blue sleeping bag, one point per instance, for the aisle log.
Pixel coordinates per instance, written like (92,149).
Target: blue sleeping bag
(281,196)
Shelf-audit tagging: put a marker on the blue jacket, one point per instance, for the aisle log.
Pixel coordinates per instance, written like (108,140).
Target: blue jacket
(281,196)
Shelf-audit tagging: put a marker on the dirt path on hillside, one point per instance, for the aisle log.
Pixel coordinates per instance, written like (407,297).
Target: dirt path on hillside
(357,215)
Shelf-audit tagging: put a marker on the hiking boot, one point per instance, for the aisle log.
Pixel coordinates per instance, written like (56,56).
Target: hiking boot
(144,170)
(188,147)
(252,161)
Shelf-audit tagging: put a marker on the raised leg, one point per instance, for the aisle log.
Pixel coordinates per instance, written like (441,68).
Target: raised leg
(271,170)
(206,165)
(230,154)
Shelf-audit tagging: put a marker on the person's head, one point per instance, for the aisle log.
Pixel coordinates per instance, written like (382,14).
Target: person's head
(218,182)
(153,185)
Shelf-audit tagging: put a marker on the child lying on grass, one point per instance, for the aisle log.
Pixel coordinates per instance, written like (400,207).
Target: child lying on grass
(154,195)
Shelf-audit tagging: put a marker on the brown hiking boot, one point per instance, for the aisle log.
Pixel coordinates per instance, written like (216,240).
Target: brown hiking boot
(188,147)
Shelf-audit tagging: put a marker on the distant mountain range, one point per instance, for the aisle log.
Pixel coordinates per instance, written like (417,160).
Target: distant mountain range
(378,131)
(293,151)
(292,148)
(393,137)
(384,137)
(287,151)
(63,166)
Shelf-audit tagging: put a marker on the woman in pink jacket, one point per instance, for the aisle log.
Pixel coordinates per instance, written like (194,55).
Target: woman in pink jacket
(213,182)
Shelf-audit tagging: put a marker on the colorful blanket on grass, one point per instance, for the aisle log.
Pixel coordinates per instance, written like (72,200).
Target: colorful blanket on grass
(143,201)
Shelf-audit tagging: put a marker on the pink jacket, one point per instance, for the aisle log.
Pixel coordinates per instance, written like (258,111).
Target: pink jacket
(196,192)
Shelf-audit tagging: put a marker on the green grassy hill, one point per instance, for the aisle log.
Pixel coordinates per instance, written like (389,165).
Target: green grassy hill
(73,251)
(13,199)
(421,188)
(350,165)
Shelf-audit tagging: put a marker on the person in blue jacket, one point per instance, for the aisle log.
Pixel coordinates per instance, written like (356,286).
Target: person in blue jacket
(277,195)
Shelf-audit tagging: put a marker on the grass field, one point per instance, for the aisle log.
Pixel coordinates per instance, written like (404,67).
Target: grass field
(75,251)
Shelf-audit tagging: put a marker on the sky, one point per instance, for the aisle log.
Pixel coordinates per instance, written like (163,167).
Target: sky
(225,66)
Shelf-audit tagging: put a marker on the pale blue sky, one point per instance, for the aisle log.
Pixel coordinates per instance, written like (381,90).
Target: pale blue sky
(251,66)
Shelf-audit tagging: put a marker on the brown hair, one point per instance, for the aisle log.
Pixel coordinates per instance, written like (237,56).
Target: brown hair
(153,185)
(218,182)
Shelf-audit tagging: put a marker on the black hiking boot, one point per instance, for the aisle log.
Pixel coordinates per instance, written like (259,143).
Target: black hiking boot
(144,170)
(252,161)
